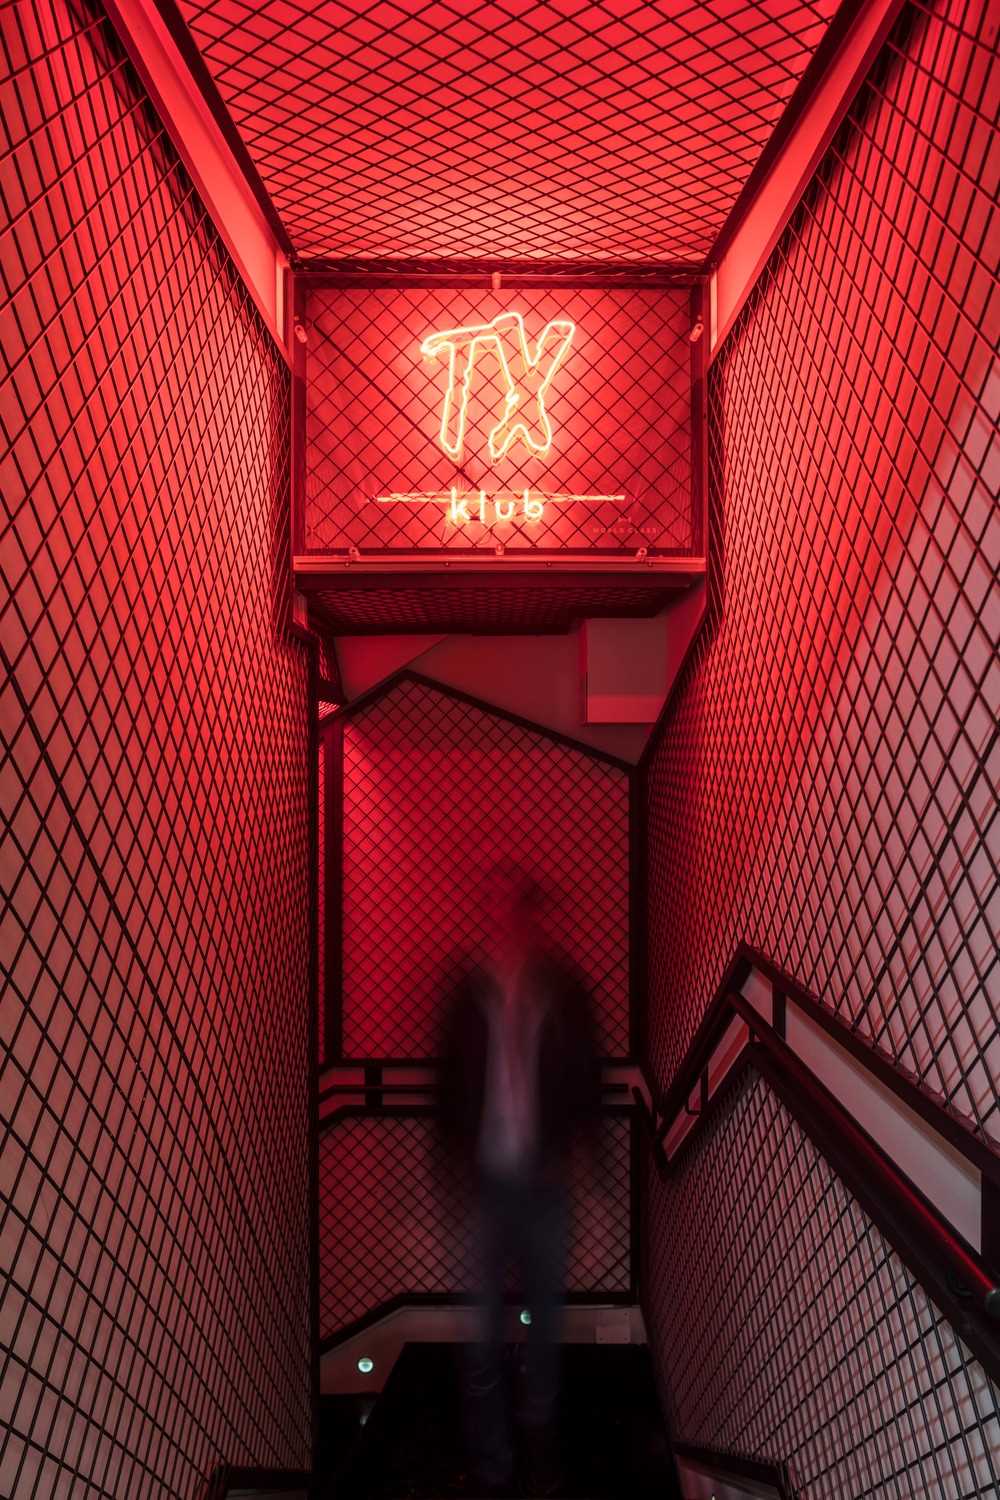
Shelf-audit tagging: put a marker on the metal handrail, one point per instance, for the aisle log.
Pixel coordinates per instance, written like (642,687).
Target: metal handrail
(428,1090)
(952,1274)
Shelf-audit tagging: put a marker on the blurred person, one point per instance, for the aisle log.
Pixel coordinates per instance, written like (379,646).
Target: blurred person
(520,1091)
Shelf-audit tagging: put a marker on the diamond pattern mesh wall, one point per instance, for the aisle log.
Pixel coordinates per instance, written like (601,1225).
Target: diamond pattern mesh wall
(435,791)
(826,783)
(799,1334)
(322,896)
(487,607)
(394,1220)
(154,1071)
(518,129)
(374,423)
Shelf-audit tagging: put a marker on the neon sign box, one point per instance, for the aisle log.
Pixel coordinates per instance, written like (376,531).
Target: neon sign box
(548,421)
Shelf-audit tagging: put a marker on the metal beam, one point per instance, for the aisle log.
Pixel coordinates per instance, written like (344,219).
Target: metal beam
(774,189)
(233,196)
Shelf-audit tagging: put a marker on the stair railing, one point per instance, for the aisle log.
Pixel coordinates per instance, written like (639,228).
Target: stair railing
(735,1034)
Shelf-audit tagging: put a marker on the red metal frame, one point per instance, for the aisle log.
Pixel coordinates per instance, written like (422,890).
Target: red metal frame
(431,591)
(313,564)
(786,166)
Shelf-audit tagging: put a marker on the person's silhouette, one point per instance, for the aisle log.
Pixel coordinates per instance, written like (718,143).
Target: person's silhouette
(520,1088)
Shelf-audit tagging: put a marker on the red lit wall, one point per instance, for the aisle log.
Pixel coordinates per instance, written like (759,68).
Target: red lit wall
(826,779)
(154,782)
(823,785)
(799,1334)
(436,790)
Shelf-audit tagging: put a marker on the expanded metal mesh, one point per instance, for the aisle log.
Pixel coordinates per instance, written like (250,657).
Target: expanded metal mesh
(516,129)
(321,899)
(395,1221)
(154,1070)
(376,406)
(487,608)
(826,784)
(800,1335)
(436,791)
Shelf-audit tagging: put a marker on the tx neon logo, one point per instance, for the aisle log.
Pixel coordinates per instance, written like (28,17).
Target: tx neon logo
(528,375)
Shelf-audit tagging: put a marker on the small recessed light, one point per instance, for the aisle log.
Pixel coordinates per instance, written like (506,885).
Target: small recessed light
(366,1365)
(525,1317)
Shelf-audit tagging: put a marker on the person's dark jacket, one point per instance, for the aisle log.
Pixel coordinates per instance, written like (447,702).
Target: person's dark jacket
(569,1070)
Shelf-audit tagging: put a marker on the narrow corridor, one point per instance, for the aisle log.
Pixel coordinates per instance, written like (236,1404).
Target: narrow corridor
(499,750)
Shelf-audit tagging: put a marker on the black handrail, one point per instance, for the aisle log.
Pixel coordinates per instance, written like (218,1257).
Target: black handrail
(757,1470)
(952,1274)
(929,1106)
(429,1090)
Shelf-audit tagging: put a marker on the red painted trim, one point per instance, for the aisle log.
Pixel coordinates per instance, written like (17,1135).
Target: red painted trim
(207,87)
(843,61)
(700,313)
(822,60)
(299,413)
(931,1107)
(954,1276)
(479,273)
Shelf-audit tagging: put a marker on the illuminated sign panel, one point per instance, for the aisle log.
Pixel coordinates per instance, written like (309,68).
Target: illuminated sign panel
(546,421)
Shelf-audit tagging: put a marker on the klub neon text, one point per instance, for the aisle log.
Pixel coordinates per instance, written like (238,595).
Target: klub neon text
(465,507)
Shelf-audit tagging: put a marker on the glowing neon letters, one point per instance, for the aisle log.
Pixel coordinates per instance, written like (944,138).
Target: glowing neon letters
(488,509)
(528,375)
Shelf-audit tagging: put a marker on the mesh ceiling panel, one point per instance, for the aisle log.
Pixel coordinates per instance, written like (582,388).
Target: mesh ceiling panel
(826,784)
(154,1069)
(435,792)
(394,1220)
(799,1334)
(374,422)
(489,608)
(618,131)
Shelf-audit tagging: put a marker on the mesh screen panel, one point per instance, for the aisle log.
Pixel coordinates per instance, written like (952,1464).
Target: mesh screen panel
(321,899)
(154,1069)
(517,129)
(799,1334)
(374,423)
(436,791)
(825,787)
(394,1220)
(490,607)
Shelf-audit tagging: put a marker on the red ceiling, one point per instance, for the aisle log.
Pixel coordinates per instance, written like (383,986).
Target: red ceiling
(618,131)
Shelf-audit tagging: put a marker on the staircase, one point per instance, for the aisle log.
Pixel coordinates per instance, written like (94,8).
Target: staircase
(407,1444)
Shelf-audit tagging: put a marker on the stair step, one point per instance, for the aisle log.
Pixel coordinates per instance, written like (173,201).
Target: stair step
(612,1438)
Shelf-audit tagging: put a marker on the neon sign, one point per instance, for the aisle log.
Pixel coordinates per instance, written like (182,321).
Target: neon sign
(527,374)
(478,505)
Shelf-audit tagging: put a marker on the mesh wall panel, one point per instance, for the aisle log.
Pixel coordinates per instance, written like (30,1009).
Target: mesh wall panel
(374,423)
(155,1070)
(394,1220)
(436,791)
(512,609)
(800,1335)
(321,899)
(517,129)
(826,784)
